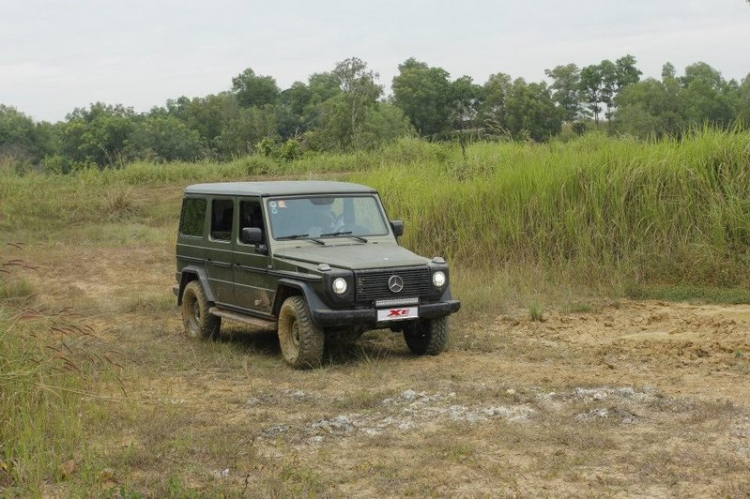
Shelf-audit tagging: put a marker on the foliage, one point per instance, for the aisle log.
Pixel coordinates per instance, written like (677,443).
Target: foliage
(531,113)
(163,139)
(344,110)
(254,90)
(674,104)
(566,82)
(422,93)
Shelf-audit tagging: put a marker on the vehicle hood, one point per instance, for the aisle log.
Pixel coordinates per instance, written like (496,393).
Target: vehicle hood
(354,256)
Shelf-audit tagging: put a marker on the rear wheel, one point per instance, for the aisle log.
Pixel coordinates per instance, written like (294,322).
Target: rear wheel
(198,322)
(427,337)
(300,339)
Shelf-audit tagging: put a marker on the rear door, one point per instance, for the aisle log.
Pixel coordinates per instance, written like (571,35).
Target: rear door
(219,248)
(255,286)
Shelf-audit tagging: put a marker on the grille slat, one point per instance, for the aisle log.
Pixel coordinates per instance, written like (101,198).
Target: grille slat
(373,284)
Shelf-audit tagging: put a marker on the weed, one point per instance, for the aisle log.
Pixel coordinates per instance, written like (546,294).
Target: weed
(536,313)
(580,307)
(678,292)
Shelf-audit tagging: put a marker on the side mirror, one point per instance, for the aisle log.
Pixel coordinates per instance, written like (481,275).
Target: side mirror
(398,227)
(251,235)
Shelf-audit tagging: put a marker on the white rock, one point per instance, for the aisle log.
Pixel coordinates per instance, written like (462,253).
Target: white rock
(409,395)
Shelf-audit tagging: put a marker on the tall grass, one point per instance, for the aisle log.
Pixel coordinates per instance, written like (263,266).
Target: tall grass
(663,211)
(39,426)
(597,207)
(44,369)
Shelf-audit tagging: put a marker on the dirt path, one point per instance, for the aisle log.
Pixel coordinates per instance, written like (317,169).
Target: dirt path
(634,399)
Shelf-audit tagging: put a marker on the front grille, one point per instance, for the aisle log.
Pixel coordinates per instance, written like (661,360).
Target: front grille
(373,284)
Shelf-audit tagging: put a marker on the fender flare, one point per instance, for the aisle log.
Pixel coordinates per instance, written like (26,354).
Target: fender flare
(191,273)
(302,288)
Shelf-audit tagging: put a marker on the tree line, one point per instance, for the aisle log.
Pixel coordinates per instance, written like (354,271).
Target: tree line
(346,109)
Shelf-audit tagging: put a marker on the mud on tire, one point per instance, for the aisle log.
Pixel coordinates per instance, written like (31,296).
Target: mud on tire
(300,339)
(198,322)
(427,337)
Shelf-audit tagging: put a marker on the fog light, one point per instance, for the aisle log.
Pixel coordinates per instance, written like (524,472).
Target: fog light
(339,285)
(438,279)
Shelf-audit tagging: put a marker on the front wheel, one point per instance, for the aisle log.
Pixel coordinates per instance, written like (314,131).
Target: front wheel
(198,322)
(300,339)
(427,337)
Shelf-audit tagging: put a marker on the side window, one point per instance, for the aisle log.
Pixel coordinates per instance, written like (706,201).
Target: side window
(222,213)
(251,216)
(193,217)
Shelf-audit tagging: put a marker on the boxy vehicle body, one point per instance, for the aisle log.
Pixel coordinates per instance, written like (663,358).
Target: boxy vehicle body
(314,260)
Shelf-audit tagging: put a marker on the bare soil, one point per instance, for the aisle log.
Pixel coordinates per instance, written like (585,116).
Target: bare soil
(645,399)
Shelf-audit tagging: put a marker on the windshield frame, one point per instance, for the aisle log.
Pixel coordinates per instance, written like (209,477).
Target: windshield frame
(285,239)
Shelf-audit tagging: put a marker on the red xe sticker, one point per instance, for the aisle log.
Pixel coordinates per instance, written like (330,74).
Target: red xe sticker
(399,312)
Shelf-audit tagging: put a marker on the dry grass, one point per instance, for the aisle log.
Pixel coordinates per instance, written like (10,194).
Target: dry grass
(602,397)
(227,417)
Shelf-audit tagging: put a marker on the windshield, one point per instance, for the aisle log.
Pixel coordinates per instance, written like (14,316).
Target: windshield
(325,217)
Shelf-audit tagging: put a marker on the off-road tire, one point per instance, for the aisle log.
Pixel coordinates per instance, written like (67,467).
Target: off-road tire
(198,322)
(300,339)
(427,337)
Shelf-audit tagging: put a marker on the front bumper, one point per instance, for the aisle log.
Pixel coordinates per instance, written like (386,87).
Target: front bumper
(369,316)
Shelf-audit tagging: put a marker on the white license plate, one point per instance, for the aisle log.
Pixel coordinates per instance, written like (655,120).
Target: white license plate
(397,314)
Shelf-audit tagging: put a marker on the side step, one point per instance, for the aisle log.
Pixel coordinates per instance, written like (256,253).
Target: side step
(260,324)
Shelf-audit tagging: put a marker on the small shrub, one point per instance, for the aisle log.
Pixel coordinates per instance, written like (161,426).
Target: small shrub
(266,146)
(536,312)
(291,150)
(580,307)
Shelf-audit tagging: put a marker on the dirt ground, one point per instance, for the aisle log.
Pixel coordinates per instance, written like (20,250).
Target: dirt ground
(643,399)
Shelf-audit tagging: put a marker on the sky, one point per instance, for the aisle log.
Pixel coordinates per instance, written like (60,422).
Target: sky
(57,55)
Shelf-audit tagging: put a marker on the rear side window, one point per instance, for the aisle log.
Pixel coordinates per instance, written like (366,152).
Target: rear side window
(193,217)
(222,213)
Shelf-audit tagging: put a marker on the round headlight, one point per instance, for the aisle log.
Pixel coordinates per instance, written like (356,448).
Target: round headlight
(339,285)
(438,279)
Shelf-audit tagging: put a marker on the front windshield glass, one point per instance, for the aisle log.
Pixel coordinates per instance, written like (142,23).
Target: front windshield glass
(325,217)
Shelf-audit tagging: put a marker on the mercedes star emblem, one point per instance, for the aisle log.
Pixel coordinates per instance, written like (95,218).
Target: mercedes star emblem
(395,284)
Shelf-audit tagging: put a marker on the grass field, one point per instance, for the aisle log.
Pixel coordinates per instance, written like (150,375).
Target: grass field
(556,383)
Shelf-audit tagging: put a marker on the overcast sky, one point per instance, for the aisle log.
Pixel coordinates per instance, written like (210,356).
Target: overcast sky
(56,55)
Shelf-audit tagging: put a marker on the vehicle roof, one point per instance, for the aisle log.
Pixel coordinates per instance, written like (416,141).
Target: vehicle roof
(278,188)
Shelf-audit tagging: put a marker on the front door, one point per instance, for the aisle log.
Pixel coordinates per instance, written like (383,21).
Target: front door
(255,287)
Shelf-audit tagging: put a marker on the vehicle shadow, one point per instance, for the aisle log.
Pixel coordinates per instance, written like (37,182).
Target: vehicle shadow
(370,347)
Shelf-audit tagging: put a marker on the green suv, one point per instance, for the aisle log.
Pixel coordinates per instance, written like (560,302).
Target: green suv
(314,260)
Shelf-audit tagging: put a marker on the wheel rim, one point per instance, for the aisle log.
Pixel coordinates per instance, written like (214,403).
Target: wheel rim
(295,334)
(196,312)
(192,315)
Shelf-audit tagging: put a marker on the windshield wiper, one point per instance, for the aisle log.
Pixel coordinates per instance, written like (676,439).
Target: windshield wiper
(301,236)
(345,233)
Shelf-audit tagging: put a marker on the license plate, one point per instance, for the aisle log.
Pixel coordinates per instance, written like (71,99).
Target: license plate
(397,314)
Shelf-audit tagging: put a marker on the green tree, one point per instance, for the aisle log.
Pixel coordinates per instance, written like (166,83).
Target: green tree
(608,88)
(384,123)
(323,86)
(98,135)
(464,104)
(207,115)
(591,87)
(626,71)
(531,112)
(707,96)
(24,141)
(254,90)
(494,105)
(244,129)
(290,111)
(648,109)
(164,138)
(566,87)
(423,94)
(743,112)
(343,115)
